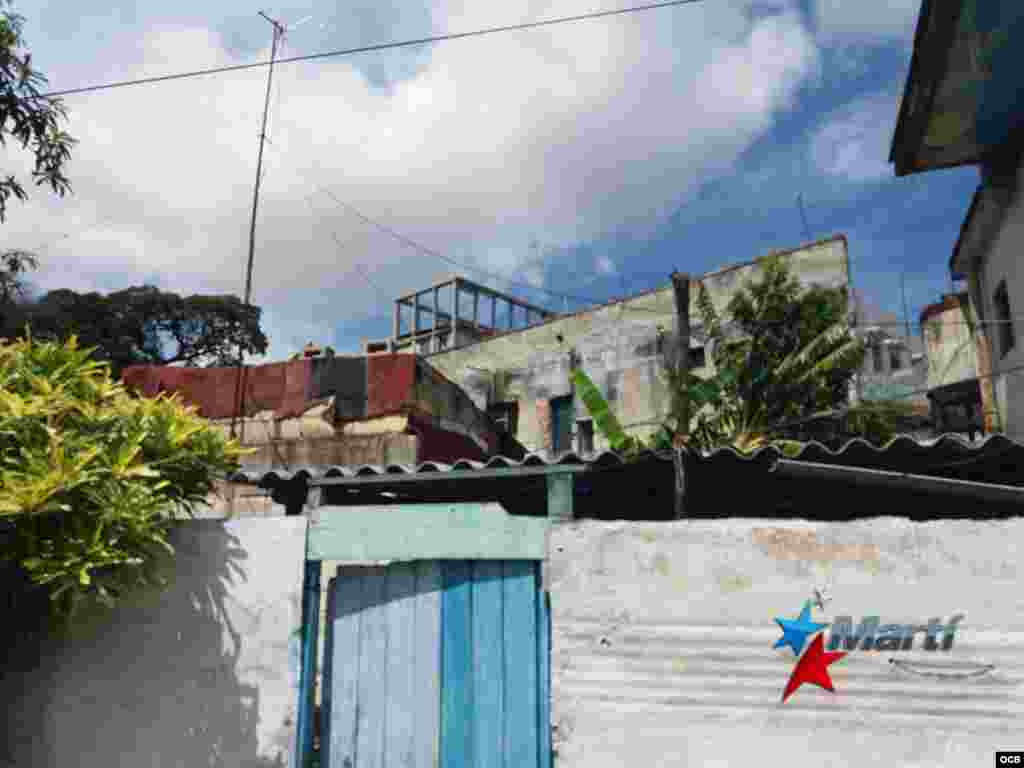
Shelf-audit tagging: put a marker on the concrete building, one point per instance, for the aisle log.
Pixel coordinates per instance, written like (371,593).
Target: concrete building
(954,346)
(963,105)
(521,376)
(893,367)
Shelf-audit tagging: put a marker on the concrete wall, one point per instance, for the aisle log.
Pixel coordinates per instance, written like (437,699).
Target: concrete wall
(950,347)
(617,345)
(663,642)
(306,441)
(204,673)
(1001,260)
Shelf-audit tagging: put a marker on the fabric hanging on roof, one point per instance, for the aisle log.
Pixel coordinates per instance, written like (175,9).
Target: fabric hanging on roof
(344,379)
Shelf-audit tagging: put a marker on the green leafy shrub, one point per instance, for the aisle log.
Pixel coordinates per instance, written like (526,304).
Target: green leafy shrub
(91,478)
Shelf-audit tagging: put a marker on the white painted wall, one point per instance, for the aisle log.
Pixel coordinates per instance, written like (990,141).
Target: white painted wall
(663,635)
(204,673)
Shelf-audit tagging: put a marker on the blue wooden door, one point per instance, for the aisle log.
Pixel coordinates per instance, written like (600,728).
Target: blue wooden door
(437,663)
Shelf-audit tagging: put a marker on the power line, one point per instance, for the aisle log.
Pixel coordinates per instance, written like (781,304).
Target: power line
(371,48)
(341,246)
(408,241)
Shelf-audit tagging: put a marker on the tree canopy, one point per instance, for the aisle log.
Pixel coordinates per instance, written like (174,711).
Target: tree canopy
(92,478)
(27,117)
(143,325)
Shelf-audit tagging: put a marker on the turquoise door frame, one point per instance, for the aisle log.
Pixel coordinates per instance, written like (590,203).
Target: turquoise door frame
(445,532)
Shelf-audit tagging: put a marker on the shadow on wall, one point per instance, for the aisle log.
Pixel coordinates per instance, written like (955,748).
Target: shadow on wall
(170,678)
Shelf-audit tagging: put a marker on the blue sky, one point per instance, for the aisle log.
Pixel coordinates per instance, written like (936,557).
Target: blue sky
(624,147)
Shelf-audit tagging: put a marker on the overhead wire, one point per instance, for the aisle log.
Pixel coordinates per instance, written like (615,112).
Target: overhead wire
(370,48)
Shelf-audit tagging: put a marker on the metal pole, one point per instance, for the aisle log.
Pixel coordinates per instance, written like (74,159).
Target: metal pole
(681,292)
(906,309)
(240,378)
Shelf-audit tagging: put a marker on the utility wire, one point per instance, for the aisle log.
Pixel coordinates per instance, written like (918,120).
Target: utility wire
(370,48)
(408,241)
(342,246)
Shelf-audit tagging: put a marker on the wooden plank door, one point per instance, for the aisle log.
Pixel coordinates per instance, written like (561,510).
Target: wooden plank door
(496,682)
(381,694)
(437,663)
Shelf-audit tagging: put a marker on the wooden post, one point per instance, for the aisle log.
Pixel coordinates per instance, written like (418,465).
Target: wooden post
(681,288)
(398,319)
(435,339)
(307,672)
(455,313)
(494,313)
(476,308)
(416,314)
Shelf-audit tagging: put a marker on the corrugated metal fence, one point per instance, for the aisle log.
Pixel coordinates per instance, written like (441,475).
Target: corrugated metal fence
(665,635)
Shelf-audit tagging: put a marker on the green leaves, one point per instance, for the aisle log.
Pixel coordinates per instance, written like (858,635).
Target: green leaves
(604,419)
(92,478)
(32,120)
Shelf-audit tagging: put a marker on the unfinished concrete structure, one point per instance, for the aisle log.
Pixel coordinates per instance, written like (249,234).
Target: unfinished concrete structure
(458,312)
(522,378)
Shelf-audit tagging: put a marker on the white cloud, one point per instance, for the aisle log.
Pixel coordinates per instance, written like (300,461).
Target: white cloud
(563,133)
(853,142)
(606,266)
(869,22)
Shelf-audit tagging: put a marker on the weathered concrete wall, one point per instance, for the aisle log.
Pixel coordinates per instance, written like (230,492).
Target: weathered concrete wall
(307,441)
(1000,261)
(203,673)
(663,642)
(617,344)
(950,347)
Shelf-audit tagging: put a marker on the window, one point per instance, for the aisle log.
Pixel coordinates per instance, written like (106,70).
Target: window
(585,436)
(1004,319)
(697,357)
(561,424)
(614,382)
(506,416)
(876,359)
(894,359)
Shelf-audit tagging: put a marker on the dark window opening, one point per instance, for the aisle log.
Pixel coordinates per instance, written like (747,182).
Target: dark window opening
(876,359)
(698,359)
(894,359)
(1004,319)
(506,416)
(585,436)
(561,424)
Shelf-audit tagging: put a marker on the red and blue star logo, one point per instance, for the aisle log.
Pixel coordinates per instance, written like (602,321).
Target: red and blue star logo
(812,667)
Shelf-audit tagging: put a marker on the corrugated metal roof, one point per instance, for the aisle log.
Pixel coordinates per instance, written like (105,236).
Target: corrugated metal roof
(904,454)
(531,461)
